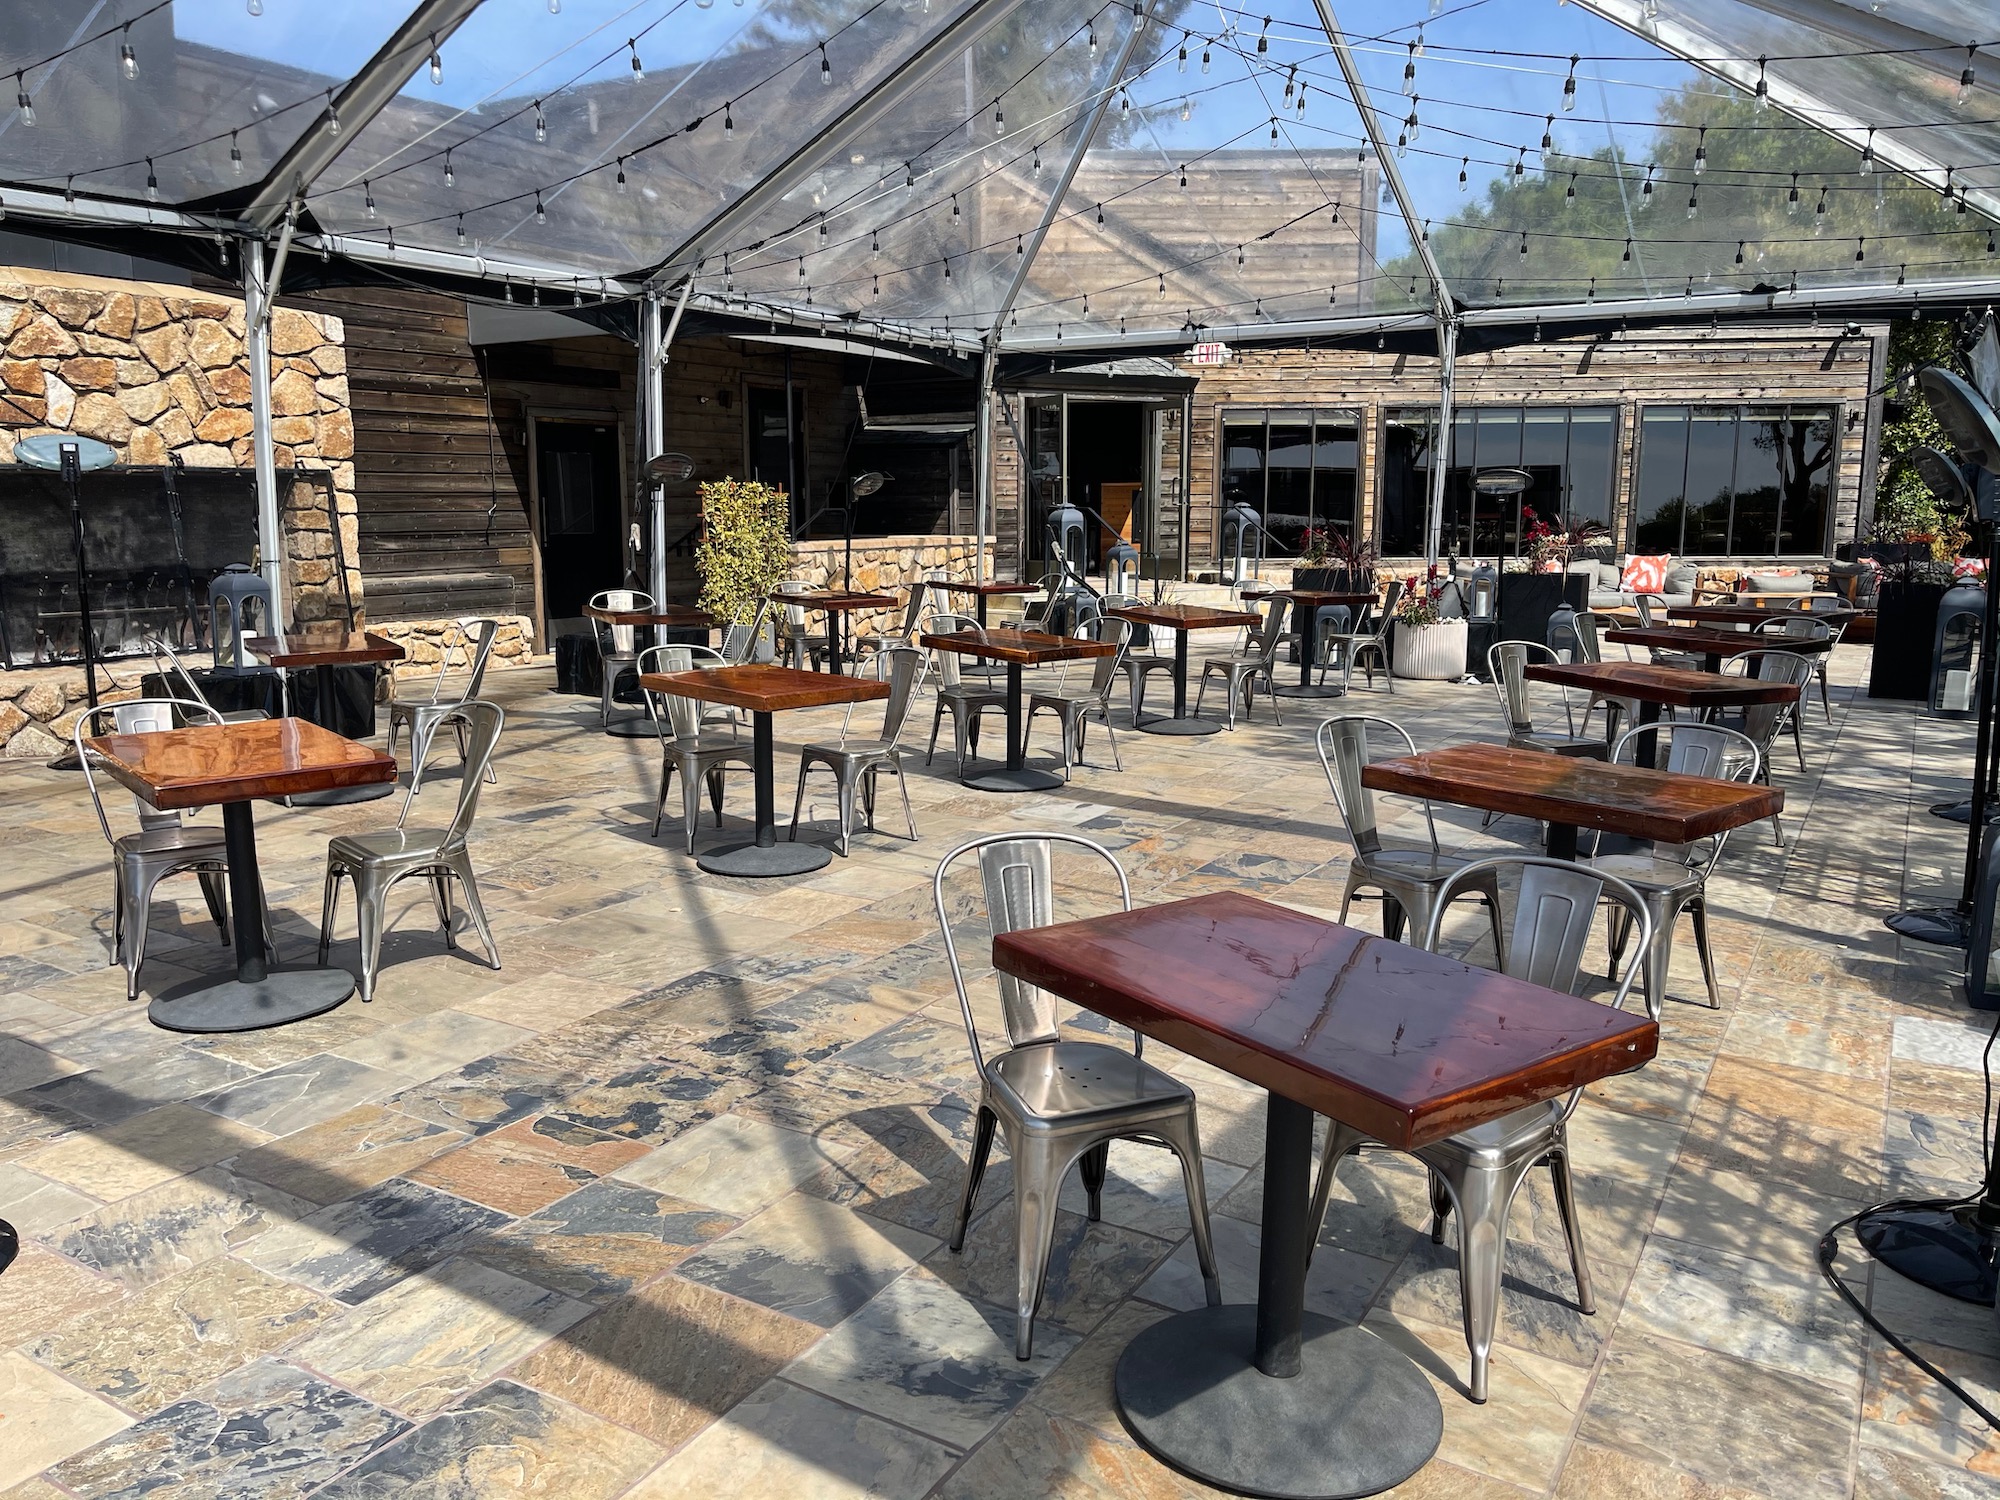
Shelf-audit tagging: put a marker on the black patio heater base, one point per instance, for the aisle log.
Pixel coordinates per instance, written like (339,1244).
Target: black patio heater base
(1961,812)
(1944,925)
(1945,1249)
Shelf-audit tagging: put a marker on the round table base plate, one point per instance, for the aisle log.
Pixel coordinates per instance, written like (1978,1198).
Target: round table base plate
(637,727)
(1026,779)
(764,861)
(1179,726)
(1310,690)
(281,997)
(1357,1419)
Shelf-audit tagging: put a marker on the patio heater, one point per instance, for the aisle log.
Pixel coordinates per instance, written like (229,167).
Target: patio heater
(860,487)
(1949,485)
(1496,484)
(661,469)
(1956,648)
(1974,430)
(1239,523)
(72,456)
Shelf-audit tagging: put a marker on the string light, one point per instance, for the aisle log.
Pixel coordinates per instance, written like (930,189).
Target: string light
(999,119)
(1792,198)
(1549,135)
(1183,176)
(1100,216)
(1239,255)
(461,231)
(235,155)
(1968,77)
(1264,37)
(909,175)
(1901,272)
(1762,100)
(541,124)
(1274,131)
(1524,247)
(23,102)
(332,112)
(1020,245)
(1739,252)
(1292,82)
(1091,37)
(152,183)
(1464,162)
(1410,71)
(1819,212)
(1163,286)
(825,68)
(947,268)
(618,183)
(1694,200)
(1186,37)
(728,120)
(541,213)
(1124,104)
(1700,150)
(128,60)
(1646,188)
(437,63)
(1569,85)
(638,68)
(875,240)
(1035,166)
(1411,124)
(1204,68)
(1860,249)
(1569,194)
(1628,251)
(1868,153)
(822,231)
(256,7)
(1521,164)
(367,200)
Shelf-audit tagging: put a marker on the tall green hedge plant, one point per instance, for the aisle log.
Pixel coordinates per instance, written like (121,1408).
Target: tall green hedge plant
(746,546)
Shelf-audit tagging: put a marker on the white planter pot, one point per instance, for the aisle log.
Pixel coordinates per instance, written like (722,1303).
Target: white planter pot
(1431,652)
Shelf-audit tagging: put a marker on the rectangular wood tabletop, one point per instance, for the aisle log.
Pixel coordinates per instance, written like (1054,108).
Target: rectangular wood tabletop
(991,588)
(1406,1045)
(1711,642)
(1751,614)
(765,688)
(207,764)
(309,648)
(838,599)
(1678,687)
(1577,791)
(1323,598)
(1185,616)
(683,615)
(1028,648)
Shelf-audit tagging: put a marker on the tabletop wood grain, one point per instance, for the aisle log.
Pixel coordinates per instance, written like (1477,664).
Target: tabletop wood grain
(1750,614)
(1185,616)
(1680,687)
(207,764)
(837,600)
(1026,647)
(309,648)
(1406,1045)
(765,688)
(682,615)
(1710,642)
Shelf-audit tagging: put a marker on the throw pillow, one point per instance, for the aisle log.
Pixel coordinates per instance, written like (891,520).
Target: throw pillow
(1644,575)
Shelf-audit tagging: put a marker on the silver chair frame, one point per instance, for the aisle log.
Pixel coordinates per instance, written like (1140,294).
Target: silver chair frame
(424,717)
(1072,710)
(964,701)
(1478,1171)
(167,662)
(1243,669)
(624,650)
(1368,644)
(1506,663)
(684,747)
(1764,722)
(376,861)
(1059,1103)
(856,763)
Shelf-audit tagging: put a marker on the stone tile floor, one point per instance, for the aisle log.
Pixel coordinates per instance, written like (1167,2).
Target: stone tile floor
(658,1209)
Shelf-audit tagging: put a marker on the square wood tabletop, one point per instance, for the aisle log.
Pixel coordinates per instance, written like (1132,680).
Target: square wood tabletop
(838,599)
(1407,1046)
(765,688)
(1678,687)
(207,764)
(307,647)
(682,615)
(1026,648)
(1185,616)
(1322,598)
(1711,642)
(1751,614)
(992,588)
(1573,790)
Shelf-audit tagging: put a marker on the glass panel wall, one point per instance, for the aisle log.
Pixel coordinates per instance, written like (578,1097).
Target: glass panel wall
(1734,480)
(1296,469)
(1569,454)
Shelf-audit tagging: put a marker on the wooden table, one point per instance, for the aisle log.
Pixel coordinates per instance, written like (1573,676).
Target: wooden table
(670,616)
(837,605)
(1751,614)
(1406,1046)
(234,765)
(764,689)
(1710,645)
(984,591)
(319,650)
(1654,688)
(1569,792)
(1017,649)
(1182,618)
(1312,601)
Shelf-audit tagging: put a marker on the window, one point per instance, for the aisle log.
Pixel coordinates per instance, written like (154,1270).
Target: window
(1734,480)
(1295,469)
(1568,453)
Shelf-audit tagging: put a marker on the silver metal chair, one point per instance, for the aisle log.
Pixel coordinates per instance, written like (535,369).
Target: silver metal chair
(961,699)
(913,613)
(163,844)
(1368,643)
(1409,879)
(168,664)
(1059,1103)
(1803,627)
(704,657)
(743,644)
(1072,708)
(1479,1171)
(684,747)
(622,650)
(1140,665)
(1507,663)
(795,637)
(1764,722)
(856,763)
(1673,878)
(422,716)
(376,861)
(1243,669)
(1575,632)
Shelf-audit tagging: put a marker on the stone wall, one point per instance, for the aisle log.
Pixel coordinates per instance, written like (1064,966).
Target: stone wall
(424,641)
(889,563)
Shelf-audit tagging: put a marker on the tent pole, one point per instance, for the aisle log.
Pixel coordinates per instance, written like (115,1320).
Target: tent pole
(652,440)
(1441,447)
(257,349)
(982,477)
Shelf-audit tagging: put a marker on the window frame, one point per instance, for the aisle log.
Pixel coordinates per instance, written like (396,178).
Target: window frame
(1833,413)
(1310,415)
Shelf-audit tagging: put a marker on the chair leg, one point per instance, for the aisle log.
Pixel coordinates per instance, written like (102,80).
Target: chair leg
(1440,1208)
(370,900)
(1499,937)
(1658,957)
(799,799)
(1093,1165)
(1341,1141)
(1559,1175)
(937,719)
(1698,910)
(138,908)
(714,779)
(1184,1137)
(218,902)
(461,866)
(975,1172)
(846,798)
(1111,738)
(1039,1166)
(690,804)
(441,895)
(1481,1197)
(329,901)
(903,786)
(666,782)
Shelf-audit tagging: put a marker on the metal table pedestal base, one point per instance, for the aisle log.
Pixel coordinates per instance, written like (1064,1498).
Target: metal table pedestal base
(784,858)
(1012,779)
(635,727)
(279,998)
(1309,690)
(1179,726)
(1357,1419)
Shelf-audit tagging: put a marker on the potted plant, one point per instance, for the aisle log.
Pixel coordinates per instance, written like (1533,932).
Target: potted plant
(745,549)
(1542,584)
(1427,646)
(1334,560)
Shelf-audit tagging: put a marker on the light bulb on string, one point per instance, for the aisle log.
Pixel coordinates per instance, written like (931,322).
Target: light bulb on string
(235,156)
(728,120)
(22,101)
(875,241)
(1274,132)
(541,124)
(1569,85)
(1868,153)
(638,68)
(1945,202)
(947,268)
(1700,149)
(1967,78)
(69,198)
(1124,104)
(802,268)
(1739,252)
(1548,137)
(367,200)
(1336,210)
(954,208)
(535,294)
(1524,248)
(1264,37)
(1819,212)
(1694,200)
(461,231)
(822,231)
(128,60)
(437,63)
(1302,102)
(1292,82)
(1792,198)
(909,175)
(1239,255)
(152,183)
(999,118)
(1100,216)
(1185,38)
(825,68)
(1020,245)
(1569,194)
(541,213)
(1204,59)
(1410,71)
(1035,165)
(255,7)
(1901,272)
(1521,164)
(1860,249)
(1184,177)
(1413,124)
(1762,98)
(1163,286)
(1463,164)
(1646,189)
(332,115)
(1402,140)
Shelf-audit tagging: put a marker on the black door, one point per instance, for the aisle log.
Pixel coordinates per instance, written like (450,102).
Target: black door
(582,550)
(776,449)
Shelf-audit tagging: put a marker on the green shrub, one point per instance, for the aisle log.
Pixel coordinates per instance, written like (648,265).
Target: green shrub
(746,546)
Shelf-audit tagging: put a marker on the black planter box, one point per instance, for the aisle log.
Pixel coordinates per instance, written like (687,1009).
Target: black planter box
(1905,634)
(1333,580)
(1527,600)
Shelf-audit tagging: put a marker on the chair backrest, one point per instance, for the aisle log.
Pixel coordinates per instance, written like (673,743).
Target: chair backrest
(480,649)
(1343,753)
(1644,604)
(1104,669)
(676,716)
(168,664)
(483,721)
(1017,876)
(1385,612)
(740,642)
(140,716)
(947,661)
(1264,642)
(1507,663)
(1761,721)
(1555,902)
(1800,627)
(905,670)
(624,638)
(1712,750)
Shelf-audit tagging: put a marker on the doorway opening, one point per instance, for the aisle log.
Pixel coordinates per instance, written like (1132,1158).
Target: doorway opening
(1106,456)
(580,513)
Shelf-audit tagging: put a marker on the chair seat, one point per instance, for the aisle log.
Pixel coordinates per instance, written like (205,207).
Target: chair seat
(389,845)
(186,839)
(852,750)
(710,745)
(1508,1136)
(1411,864)
(1560,744)
(1078,698)
(1650,873)
(967,693)
(1148,664)
(1071,1079)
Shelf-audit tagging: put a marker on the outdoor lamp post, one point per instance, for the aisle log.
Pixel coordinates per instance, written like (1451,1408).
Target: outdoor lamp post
(661,470)
(1499,484)
(72,455)
(860,487)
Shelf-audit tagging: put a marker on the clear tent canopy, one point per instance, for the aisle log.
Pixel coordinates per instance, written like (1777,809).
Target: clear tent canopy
(1040,176)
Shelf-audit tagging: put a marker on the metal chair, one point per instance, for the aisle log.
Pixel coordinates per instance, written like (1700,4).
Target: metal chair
(1507,663)
(1244,668)
(963,701)
(875,641)
(422,716)
(376,861)
(1479,1171)
(1409,879)
(1803,627)
(856,763)
(697,756)
(168,664)
(617,645)
(1139,666)
(742,644)
(1368,643)
(795,637)
(1673,878)
(1575,632)
(1072,708)
(1060,1103)
(704,657)
(163,844)
(1764,722)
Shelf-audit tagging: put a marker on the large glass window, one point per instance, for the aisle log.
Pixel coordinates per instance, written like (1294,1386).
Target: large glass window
(1294,468)
(1568,452)
(1734,480)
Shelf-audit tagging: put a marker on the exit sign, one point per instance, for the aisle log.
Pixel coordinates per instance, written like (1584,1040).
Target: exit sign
(1209,354)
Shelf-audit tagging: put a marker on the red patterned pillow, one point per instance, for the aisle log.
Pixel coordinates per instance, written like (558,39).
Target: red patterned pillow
(1645,575)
